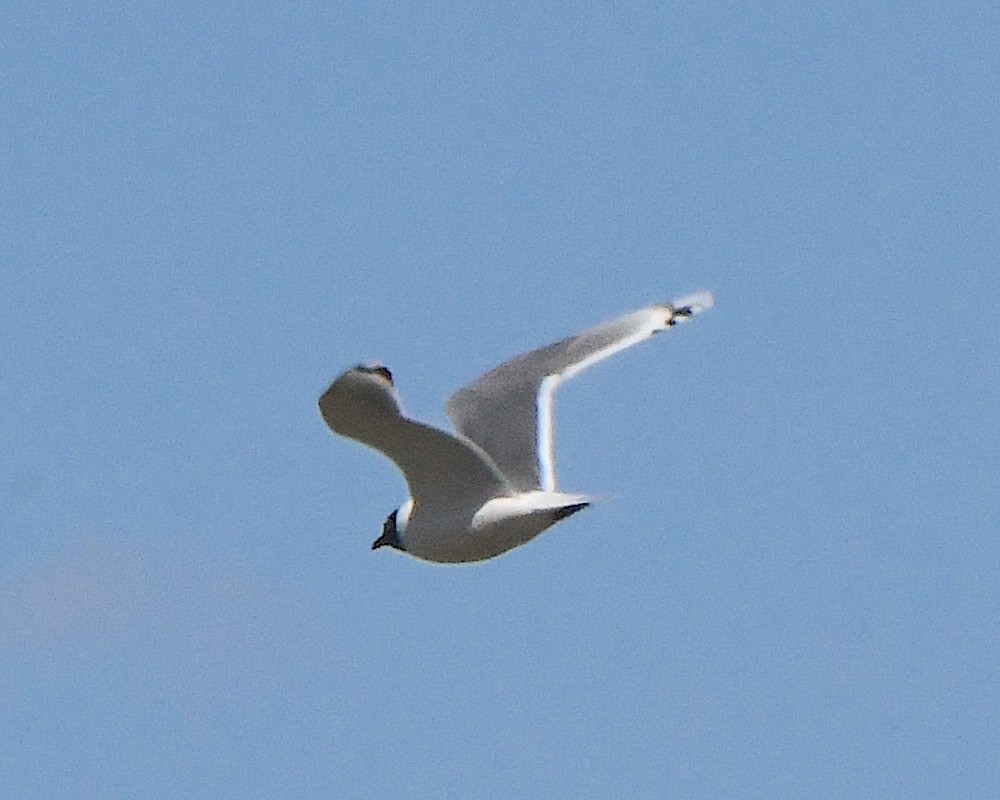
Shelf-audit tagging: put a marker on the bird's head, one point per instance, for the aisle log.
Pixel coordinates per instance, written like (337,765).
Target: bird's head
(393,528)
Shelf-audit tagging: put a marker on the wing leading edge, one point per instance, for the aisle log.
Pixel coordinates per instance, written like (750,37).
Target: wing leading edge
(508,411)
(362,405)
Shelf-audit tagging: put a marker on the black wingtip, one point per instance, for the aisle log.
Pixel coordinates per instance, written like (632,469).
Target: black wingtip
(678,315)
(376,369)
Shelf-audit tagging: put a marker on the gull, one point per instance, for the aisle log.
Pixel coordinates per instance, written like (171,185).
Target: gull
(491,486)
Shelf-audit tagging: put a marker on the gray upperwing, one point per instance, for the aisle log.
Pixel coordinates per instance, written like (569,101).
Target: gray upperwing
(508,411)
(362,405)
(498,413)
(504,413)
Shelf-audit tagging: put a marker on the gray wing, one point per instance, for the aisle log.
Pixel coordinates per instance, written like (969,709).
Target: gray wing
(362,405)
(508,411)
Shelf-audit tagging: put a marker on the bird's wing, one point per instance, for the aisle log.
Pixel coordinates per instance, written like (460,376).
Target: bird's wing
(508,411)
(362,405)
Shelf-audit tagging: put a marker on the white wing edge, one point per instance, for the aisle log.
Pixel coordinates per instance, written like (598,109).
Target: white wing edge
(657,318)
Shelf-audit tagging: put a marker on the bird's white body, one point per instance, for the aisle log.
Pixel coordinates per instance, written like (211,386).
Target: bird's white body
(490,487)
(451,534)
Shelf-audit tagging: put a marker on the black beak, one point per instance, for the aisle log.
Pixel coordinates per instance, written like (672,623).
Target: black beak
(383,540)
(390,535)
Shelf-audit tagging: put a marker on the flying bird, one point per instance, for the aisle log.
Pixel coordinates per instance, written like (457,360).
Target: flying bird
(491,486)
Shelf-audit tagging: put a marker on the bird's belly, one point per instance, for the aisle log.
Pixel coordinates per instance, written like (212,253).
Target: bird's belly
(459,545)
(440,534)
(457,537)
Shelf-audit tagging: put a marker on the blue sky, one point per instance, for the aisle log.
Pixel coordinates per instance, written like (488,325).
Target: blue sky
(211,209)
